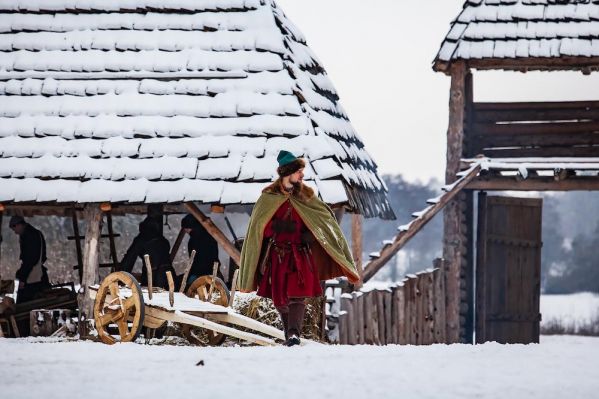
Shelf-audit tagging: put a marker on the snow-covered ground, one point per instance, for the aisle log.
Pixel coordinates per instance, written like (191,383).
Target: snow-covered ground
(574,311)
(559,367)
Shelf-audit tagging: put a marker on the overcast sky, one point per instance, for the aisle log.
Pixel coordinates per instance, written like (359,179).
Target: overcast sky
(379,53)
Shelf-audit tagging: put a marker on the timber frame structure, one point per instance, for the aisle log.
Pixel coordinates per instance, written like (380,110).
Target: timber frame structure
(521,146)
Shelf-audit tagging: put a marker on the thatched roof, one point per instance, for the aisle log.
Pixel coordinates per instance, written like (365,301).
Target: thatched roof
(145,101)
(524,35)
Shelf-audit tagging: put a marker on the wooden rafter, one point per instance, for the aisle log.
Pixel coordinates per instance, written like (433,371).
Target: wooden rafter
(409,231)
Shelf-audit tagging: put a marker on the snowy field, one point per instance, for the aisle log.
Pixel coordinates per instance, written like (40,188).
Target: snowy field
(573,312)
(559,367)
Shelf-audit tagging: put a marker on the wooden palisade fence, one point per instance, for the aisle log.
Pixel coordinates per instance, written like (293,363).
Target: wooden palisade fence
(410,313)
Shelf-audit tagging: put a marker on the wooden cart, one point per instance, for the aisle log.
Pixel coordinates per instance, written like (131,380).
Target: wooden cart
(120,300)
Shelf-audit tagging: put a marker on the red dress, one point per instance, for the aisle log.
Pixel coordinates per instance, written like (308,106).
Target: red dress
(291,271)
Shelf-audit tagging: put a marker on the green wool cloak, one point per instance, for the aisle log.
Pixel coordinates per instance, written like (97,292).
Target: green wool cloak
(330,250)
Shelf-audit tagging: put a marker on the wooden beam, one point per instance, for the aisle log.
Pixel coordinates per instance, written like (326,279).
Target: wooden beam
(356,236)
(214,231)
(547,152)
(91,275)
(586,65)
(402,238)
(541,183)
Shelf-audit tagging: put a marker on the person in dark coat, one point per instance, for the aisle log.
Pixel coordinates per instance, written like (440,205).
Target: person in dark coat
(32,274)
(205,246)
(150,241)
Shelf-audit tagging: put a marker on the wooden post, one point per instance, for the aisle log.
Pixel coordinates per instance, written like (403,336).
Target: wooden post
(419,308)
(233,287)
(356,236)
(148,265)
(380,315)
(214,231)
(401,314)
(342,326)
(171,288)
(388,300)
(368,330)
(177,244)
(453,234)
(349,330)
(439,283)
(374,317)
(77,244)
(411,311)
(90,274)
(430,309)
(187,269)
(359,311)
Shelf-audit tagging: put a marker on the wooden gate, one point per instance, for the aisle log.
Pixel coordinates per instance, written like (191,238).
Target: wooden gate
(508,271)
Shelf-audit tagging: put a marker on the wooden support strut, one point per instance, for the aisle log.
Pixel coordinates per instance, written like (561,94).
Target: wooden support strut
(90,273)
(177,245)
(214,231)
(187,270)
(417,224)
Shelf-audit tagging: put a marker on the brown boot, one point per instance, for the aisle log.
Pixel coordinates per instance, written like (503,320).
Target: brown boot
(297,308)
(284,313)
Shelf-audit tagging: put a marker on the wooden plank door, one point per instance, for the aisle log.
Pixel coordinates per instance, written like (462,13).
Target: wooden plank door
(508,270)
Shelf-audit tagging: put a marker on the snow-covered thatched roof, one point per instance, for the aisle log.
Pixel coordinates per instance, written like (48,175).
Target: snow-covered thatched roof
(524,34)
(146,101)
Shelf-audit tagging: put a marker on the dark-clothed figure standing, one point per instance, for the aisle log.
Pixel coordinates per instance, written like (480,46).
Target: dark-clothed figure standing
(293,242)
(205,246)
(149,241)
(32,274)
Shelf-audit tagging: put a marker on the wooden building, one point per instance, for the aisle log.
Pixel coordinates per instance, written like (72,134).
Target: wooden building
(108,106)
(529,146)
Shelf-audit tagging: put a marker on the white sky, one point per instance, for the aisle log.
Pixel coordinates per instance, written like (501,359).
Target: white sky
(379,54)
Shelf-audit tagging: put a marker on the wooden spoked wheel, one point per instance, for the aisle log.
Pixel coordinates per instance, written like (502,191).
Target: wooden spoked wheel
(110,308)
(200,289)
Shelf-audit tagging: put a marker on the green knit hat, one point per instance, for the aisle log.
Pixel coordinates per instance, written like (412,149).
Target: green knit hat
(288,163)
(285,157)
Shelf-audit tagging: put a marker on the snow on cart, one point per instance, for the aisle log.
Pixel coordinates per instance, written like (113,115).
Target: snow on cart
(204,310)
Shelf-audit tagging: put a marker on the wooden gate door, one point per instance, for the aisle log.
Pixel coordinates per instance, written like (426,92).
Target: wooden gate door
(508,270)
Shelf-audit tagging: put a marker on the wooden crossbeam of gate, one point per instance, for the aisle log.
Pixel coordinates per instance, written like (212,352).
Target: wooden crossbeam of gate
(417,224)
